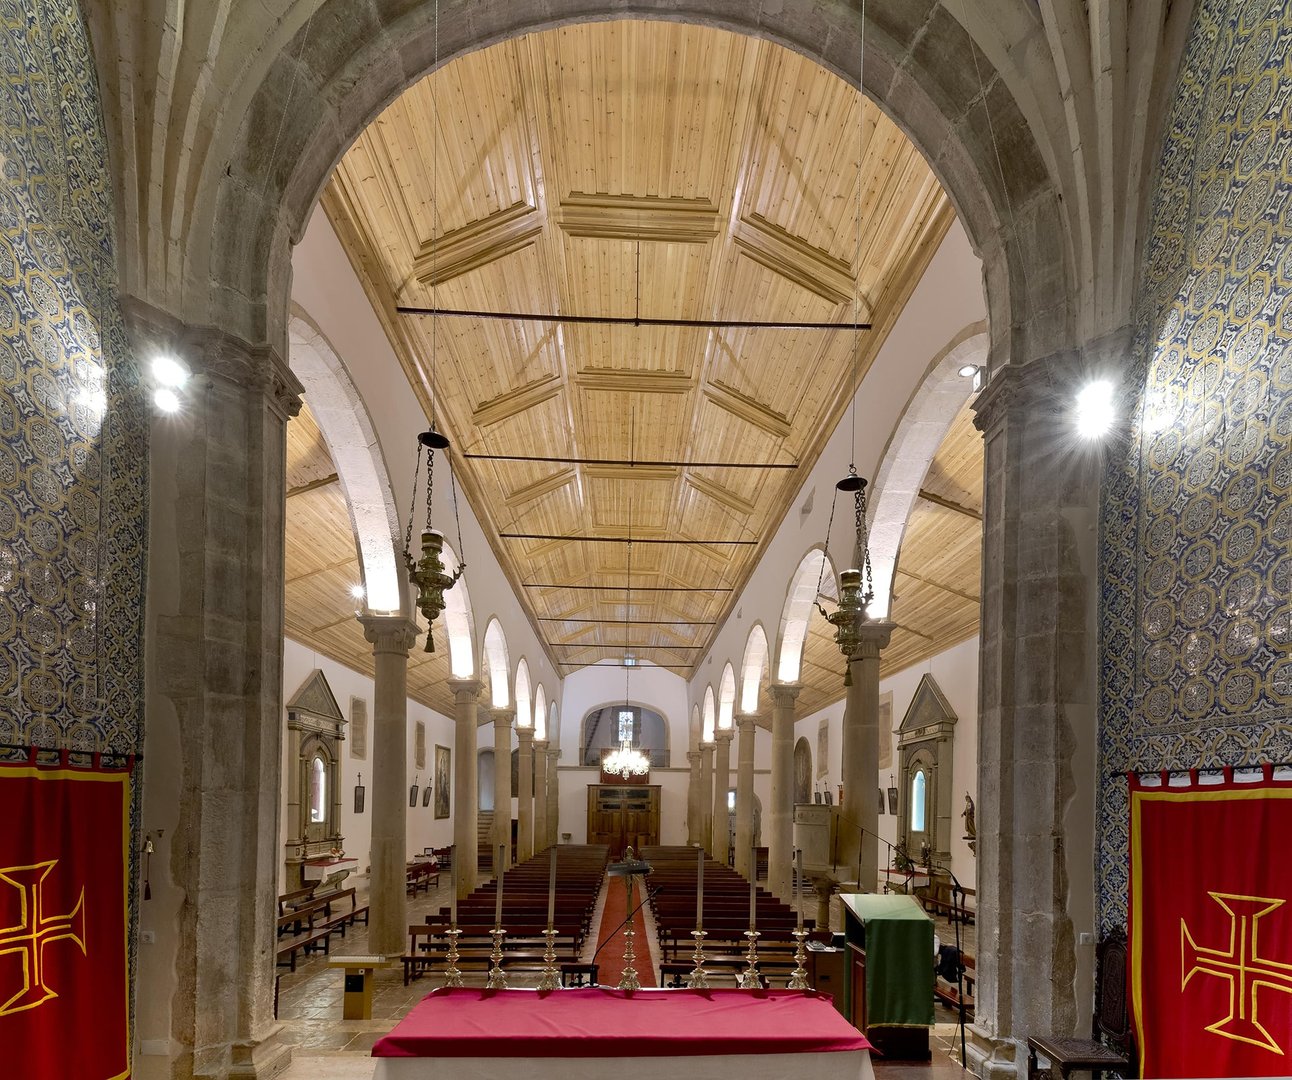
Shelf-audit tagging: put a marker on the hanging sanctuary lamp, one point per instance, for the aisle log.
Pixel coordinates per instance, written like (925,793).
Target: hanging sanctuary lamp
(428,574)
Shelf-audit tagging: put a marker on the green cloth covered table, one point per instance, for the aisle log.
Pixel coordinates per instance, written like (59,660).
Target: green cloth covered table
(898,938)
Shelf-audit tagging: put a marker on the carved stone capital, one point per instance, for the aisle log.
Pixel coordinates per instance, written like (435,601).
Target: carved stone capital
(747,722)
(526,736)
(503,718)
(465,691)
(540,747)
(784,695)
(875,637)
(694,757)
(389,633)
(724,735)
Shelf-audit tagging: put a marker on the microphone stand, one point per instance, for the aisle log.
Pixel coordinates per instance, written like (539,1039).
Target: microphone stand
(650,895)
(958,913)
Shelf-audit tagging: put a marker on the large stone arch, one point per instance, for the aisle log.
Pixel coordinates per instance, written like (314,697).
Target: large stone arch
(753,669)
(800,598)
(924,423)
(288,123)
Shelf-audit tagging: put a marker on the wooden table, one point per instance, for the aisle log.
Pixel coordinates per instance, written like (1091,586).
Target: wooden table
(358,983)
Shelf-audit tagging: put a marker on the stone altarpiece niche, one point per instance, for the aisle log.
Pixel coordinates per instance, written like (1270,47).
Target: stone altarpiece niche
(315,732)
(925,747)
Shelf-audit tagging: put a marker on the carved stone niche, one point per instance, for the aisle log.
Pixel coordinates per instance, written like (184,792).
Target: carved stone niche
(925,749)
(315,732)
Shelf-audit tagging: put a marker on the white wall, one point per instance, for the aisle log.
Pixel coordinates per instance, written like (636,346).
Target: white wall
(423,830)
(956,673)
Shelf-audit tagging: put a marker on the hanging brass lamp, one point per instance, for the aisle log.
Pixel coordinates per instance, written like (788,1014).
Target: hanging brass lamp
(428,574)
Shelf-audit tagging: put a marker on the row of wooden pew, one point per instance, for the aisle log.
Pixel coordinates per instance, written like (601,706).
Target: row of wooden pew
(580,871)
(310,918)
(726,917)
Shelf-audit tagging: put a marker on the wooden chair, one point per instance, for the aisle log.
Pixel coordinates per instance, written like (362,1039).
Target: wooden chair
(1112,1046)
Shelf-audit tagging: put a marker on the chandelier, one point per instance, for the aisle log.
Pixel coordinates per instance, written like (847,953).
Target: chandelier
(627,761)
(428,574)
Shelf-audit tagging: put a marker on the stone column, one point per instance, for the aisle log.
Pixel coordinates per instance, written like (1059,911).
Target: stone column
(553,797)
(525,794)
(747,724)
(721,822)
(706,797)
(391,636)
(693,814)
(503,719)
(860,770)
(541,842)
(1036,706)
(466,795)
(214,699)
(780,839)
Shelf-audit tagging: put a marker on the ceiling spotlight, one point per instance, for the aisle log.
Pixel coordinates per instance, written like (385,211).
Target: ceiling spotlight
(357,592)
(166,399)
(967,371)
(630,661)
(169,372)
(1095,409)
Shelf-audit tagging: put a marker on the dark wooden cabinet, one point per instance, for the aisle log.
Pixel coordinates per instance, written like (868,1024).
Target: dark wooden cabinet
(621,815)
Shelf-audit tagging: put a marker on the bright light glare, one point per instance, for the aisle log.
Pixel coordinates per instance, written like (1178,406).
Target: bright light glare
(166,400)
(1095,409)
(356,591)
(169,372)
(967,371)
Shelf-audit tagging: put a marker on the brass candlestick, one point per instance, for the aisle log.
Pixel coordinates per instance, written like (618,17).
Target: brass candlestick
(699,978)
(551,979)
(628,979)
(497,980)
(452,976)
(798,977)
(749,978)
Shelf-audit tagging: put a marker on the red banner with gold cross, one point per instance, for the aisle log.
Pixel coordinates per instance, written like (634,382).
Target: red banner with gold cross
(64,874)
(1211,927)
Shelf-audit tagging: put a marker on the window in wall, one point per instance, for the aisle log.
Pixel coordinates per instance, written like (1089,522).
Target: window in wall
(625,725)
(318,789)
(917,801)
(731,800)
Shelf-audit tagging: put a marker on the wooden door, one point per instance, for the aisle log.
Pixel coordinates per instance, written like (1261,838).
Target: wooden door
(623,816)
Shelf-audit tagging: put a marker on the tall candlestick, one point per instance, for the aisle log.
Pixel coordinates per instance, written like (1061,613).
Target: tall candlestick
(753,890)
(551,890)
(497,909)
(453,896)
(699,894)
(798,885)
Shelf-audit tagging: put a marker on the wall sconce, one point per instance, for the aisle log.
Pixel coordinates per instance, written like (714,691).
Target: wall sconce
(358,795)
(412,793)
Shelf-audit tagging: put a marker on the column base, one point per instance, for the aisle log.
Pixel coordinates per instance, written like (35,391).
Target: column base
(260,1060)
(992,1058)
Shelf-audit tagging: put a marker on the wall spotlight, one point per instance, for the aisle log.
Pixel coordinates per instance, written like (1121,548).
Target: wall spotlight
(1095,409)
(169,372)
(357,592)
(166,399)
(967,371)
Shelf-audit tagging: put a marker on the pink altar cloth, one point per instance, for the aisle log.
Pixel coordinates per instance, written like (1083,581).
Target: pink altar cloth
(619,1024)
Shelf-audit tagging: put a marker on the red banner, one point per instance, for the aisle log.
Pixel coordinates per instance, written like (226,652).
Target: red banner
(1211,928)
(64,865)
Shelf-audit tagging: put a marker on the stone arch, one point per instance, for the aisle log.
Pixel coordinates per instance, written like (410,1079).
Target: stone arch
(753,668)
(695,732)
(319,89)
(523,698)
(905,462)
(660,740)
(540,712)
(727,696)
(459,622)
(800,599)
(361,470)
(484,778)
(495,664)
(710,717)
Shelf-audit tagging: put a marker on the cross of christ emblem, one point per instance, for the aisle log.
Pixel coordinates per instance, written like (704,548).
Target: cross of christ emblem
(1242,965)
(35,931)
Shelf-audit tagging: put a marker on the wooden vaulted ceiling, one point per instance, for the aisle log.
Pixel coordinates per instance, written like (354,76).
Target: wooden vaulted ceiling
(654,169)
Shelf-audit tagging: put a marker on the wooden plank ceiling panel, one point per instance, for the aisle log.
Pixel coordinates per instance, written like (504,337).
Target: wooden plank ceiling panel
(612,168)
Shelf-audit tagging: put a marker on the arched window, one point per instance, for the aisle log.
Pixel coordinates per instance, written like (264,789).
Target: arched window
(609,726)
(318,789)
(917,801)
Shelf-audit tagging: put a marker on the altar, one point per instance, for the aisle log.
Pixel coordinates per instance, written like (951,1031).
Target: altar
(593,1033)
(328,872)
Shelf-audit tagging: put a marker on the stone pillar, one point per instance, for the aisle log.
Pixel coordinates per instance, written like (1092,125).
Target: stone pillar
(780,839)
(466,795)
(503,719)
(747,725)
(860,770)
(214,700)
(721,822)
(1036,707)
(391,636)
(706,797)
(541,842)
(693,815)
(525,794)
(553,797)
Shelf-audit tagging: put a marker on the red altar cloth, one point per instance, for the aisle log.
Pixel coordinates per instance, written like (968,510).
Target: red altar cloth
(619,1024)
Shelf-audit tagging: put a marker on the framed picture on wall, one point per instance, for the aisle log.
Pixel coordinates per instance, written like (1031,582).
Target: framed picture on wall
(426,795)
(823,748)
(443,780)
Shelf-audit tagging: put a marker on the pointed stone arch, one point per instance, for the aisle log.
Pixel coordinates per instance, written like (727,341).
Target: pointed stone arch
(753,668)
(494,664)
(800,599)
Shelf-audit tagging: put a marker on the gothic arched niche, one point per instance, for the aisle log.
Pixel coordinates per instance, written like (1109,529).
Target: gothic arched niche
(925,746)
(315,732)
(802,771)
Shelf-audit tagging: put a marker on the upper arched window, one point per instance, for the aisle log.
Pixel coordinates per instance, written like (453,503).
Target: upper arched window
(318,789)
(918,785)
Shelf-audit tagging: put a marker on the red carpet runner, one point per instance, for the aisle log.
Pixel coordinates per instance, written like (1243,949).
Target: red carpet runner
(610,960)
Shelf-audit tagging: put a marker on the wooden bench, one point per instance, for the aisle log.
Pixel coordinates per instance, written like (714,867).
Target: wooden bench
(308,942)
(295,898)
(946,991)
(421,876)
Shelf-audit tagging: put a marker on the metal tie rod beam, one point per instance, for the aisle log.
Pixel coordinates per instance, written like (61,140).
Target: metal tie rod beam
(630,320)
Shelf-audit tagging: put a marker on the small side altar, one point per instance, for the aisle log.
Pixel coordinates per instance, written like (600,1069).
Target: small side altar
(588,1034)
(329,871)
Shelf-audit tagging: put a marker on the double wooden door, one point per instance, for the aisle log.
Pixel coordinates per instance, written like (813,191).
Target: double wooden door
(623,815)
